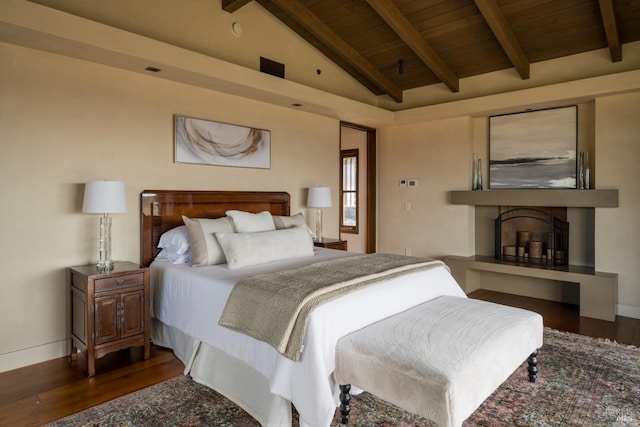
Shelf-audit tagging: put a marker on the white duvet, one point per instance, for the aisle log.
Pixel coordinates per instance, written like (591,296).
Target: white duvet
(192,300)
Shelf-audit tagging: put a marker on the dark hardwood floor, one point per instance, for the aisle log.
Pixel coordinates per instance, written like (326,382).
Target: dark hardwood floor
(48,391)
(44,392)
(566,317)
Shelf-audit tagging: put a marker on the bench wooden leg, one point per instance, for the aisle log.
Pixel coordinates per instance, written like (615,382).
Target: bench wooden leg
(345,399)
(533,366)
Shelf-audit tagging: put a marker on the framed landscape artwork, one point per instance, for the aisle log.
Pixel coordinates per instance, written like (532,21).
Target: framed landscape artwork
(222,144)
(534,149)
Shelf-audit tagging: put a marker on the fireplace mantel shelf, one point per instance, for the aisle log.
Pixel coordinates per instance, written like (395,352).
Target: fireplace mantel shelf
(537,197)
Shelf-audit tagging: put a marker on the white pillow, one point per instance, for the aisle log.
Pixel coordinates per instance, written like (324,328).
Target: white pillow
(288,221)
(244,249)
(175,240)
(245,222)
(205,249)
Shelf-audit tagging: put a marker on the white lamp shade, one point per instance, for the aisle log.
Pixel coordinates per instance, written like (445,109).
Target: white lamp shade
(104,197)
(319,197)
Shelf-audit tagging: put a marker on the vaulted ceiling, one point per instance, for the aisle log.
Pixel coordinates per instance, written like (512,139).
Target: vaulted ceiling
(393,45)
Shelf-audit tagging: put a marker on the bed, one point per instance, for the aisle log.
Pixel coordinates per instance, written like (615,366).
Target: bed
(187,303)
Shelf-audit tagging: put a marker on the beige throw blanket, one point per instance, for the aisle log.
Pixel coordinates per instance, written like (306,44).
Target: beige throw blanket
(274,307)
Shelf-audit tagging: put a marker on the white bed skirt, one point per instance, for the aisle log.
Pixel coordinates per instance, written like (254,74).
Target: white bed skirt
(230,377)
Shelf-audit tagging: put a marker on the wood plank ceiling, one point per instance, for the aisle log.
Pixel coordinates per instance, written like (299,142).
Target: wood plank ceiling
(393,45)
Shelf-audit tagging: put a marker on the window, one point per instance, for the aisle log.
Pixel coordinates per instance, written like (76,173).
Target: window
(349,192)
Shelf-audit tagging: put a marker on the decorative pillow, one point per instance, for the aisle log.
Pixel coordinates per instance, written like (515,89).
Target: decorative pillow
(288,221)
(244,249)
(245,222)
(205,249)
(175,240)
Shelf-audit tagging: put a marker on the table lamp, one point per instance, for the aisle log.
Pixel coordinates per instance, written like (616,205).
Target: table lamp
(104,197)
(319,197)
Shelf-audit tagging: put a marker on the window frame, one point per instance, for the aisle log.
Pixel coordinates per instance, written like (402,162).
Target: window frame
(349,153)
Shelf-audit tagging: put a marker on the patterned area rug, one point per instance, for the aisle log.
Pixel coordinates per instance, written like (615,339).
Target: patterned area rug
(581,382)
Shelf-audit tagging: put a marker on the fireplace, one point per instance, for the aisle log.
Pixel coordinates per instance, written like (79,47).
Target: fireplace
(532,235)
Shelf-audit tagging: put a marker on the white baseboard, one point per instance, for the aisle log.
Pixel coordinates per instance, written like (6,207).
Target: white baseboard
(629,311)
(29,356)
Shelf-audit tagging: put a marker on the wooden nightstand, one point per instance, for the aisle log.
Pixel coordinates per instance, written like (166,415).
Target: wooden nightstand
(331,244)
(109,311)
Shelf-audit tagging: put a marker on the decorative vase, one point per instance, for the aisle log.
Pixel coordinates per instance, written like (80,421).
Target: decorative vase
(586,171)
(479,175)
(581,171)
(474,173)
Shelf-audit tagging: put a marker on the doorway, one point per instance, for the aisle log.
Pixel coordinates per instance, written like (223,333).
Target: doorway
(358,200)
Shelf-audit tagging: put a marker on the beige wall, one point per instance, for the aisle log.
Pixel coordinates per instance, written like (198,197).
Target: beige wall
(617,147)
(66,121)
(437,154)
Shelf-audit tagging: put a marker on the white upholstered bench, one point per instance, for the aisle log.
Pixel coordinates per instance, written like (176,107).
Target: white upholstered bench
(440,359)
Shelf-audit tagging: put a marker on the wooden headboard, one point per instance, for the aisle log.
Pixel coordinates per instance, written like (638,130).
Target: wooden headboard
(162,210)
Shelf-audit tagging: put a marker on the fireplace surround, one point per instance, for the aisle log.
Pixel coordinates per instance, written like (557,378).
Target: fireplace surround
(598,290)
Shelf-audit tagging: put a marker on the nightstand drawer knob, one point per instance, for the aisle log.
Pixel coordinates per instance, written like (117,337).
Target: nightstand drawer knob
(119,282)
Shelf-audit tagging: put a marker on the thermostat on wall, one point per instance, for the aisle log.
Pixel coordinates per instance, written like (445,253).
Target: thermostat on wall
(412,183)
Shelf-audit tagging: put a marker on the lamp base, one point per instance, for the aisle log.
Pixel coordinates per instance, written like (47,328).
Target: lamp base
(105,263)
(319,225)
(105,266)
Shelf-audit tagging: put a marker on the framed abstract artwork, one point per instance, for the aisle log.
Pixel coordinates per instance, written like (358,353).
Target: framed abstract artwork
(534,149)
(222,144)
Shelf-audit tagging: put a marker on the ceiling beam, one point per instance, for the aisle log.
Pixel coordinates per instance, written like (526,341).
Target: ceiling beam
(500,27)
(390,13)
(233,5)
(611,30)
(334,42)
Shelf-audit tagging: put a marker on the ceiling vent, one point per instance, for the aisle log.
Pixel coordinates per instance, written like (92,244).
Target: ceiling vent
(269,66)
